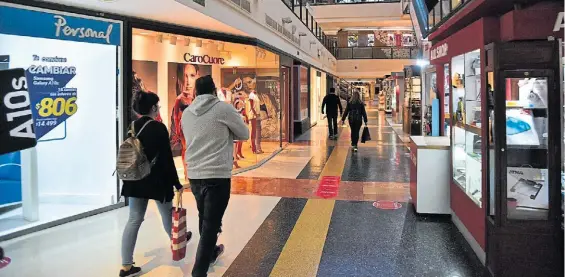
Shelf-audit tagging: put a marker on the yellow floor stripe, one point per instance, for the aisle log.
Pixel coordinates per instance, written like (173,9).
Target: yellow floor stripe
(302,252)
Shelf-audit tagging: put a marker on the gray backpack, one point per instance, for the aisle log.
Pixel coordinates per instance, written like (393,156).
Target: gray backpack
(132,163)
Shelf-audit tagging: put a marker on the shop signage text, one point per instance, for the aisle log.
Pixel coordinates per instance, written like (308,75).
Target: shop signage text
(80,32)
(205,59)
(54,25)
(439,52)
(560,22)
(15,112)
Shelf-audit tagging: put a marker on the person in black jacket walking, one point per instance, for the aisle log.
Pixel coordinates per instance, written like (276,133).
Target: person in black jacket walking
(357,114)
(331,103)
(159,185)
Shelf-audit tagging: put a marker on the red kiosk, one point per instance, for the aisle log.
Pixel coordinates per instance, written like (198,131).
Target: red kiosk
(502,109)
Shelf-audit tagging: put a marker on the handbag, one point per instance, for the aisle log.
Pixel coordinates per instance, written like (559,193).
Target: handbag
(366,136)
(179,233)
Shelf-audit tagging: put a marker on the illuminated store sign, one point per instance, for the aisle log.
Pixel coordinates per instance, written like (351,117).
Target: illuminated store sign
(560,22)
(204,59)
(39,24)
(438,52)
(81,32)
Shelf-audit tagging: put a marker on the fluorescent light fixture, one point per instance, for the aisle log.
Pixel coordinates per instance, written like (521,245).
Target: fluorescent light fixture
(422,63)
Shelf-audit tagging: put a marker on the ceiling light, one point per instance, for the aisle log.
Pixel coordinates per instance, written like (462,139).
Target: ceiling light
(198,43)
(186,41)
(173,40)
(108,1)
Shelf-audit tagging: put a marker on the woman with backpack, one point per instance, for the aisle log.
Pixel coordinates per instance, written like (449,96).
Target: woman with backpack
(356,113)
(160,181)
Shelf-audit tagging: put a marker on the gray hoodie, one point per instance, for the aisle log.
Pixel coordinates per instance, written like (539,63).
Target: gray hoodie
(210,127)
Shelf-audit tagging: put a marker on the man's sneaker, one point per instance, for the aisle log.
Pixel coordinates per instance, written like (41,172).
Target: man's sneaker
(132,272)
(354,148)
(217,253)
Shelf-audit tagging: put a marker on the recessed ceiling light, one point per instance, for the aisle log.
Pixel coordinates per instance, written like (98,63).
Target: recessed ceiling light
(108,1)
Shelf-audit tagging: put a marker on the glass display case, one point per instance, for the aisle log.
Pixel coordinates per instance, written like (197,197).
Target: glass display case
(524,185)
(466,123)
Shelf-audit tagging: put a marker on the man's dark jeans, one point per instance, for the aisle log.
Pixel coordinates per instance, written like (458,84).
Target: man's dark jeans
(332,124)
(212,197)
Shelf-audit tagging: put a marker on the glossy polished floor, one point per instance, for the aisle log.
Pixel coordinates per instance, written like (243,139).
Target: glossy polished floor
(277,225)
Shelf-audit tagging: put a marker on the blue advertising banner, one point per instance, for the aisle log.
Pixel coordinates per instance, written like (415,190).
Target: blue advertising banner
(54,102)
(23,22)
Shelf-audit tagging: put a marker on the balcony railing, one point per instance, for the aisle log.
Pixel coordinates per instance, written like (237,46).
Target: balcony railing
(442,11)
(298,7)
(348,53)
(335,2)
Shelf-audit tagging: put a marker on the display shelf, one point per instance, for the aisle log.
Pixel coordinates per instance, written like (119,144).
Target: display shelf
(469,128)
(465,124)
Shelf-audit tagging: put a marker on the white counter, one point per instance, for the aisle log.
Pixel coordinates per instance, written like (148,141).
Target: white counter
(429,174)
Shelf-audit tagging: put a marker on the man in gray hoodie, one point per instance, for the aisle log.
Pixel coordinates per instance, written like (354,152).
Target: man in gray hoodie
(210,127)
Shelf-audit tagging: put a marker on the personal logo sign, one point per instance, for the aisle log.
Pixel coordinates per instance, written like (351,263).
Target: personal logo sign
(16,121)
(203,59)
(62,29)
(439,52)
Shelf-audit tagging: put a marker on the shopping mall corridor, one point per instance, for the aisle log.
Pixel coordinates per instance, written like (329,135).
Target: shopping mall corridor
(277,225)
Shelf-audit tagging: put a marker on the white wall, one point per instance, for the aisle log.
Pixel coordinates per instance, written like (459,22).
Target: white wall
(255,25)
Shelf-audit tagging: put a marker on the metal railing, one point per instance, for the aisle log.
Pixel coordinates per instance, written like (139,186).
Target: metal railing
(300,10)
(348,53)
(442,11)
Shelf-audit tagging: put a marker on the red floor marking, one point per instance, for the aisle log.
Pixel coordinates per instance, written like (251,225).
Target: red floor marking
(329,186)
(387,205)
(5,262)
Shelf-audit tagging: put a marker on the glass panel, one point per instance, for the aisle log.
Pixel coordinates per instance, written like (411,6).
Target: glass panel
(268,92)
(445,8)
(455,4)
(526,140)
(446,99)
(492,153)
(431,20)
(69,171)
(467,124)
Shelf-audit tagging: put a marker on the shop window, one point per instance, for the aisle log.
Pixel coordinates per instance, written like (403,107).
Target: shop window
(527,148)
(246,76)
(371,40)
(466,123)
(73,80)
(352,40)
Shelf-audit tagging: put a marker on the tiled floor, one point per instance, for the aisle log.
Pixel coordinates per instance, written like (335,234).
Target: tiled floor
(277,225)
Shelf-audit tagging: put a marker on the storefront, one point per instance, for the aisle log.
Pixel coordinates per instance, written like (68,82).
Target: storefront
(317,93)
(505,186)
(73,63)
(247,77)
